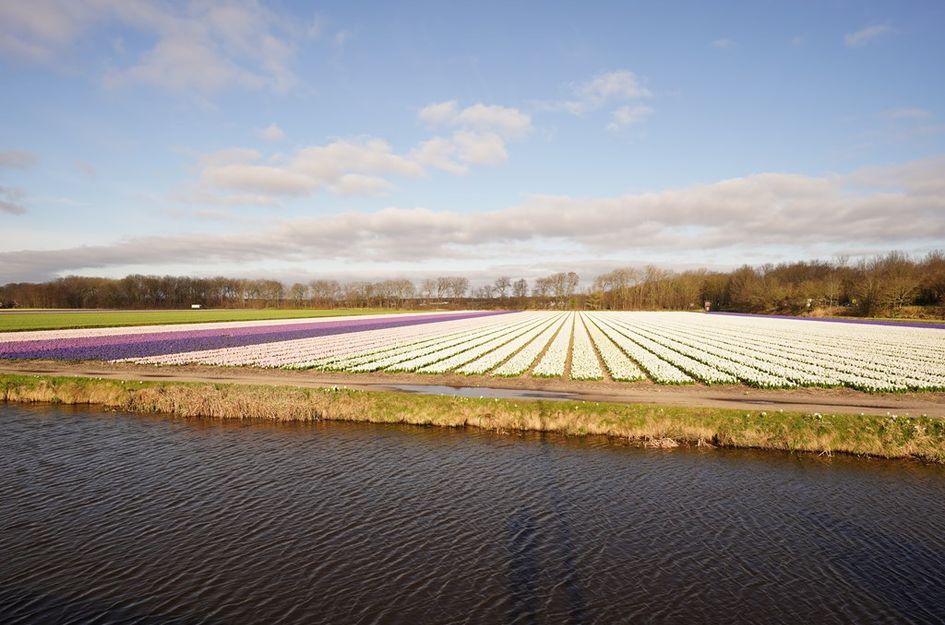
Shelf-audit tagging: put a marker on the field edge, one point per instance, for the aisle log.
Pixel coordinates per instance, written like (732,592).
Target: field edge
(909,437)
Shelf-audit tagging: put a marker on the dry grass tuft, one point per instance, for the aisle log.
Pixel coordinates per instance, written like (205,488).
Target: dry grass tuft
(650,425)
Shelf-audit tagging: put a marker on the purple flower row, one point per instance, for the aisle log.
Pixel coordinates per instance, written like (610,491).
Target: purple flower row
(114,347)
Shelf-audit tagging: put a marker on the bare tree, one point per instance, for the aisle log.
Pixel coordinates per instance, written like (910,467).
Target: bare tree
(443,286)
(325,292)
(298,293)
(428,288)
(520,288)
(458,287)
(502,286)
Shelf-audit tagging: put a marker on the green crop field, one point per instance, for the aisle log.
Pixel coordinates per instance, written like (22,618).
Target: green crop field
(14,321)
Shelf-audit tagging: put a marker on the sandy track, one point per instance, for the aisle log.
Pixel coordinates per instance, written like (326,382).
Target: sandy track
(844,401)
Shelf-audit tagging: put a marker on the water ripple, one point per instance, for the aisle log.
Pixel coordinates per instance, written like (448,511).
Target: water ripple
(111,518)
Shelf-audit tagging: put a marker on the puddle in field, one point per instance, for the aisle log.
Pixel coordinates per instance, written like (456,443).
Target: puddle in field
(478,391)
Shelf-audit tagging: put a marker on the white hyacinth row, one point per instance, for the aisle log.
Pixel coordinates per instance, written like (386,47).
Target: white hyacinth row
(657,368)
(553,363)
(297,353)
(707,374)
(710,368)
(584,363)
(522,361)
(799,371)
(765,351)
(492,359)
(380,356)
(497,344)
(621,368)
(496,338)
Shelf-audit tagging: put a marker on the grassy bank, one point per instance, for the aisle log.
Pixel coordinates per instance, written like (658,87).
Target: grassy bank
(887,437)
(60,320)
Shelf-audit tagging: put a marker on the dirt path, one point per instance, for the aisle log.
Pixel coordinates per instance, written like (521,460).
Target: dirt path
(803,400)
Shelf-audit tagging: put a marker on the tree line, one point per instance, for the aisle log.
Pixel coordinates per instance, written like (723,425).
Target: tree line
(875,286)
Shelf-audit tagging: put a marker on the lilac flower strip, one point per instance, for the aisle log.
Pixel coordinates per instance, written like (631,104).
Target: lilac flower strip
(872,322)
(160,343)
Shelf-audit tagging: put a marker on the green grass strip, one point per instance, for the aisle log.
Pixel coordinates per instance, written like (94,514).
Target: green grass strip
(920,438)
(25,321)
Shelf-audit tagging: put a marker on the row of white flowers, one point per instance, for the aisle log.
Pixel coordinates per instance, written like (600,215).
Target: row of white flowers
(621,368)
(657,368)
(553,363)
(777,352)
(869,357)
(756,355)
(420,359)
(491,359)
(497,344)
(522,361)
(300,352)
(584,363)
(377,357)
(701,371)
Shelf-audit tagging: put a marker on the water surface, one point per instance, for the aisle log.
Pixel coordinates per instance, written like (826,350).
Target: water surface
(115,518)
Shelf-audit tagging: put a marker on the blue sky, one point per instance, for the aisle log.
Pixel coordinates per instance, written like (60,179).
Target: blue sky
(359,140)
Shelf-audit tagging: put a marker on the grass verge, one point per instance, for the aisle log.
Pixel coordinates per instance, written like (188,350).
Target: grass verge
(662,426)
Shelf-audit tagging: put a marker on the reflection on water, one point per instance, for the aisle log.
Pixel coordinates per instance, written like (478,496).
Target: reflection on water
(479,391)
(113,518)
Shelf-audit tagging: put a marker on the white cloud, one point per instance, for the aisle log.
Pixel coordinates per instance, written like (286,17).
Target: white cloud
(876,208)
(602,89)
(480,148)
(17,159)
(628,115)
(866,35)
(37,31)
(439,112)
(362,166)
(724,43)
(272,132)
(11,201)
(503,120)
(908,112)
(198,47)
(359,184)
(347,167)
(617,91)
(438,153)
(353,156)
(229,156)
(264,179)
(480,139)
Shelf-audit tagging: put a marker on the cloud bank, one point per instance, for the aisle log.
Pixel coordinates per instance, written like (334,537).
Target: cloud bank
(198,47)
(870,207)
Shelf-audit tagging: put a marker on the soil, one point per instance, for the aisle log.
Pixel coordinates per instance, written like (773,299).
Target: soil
(826,401)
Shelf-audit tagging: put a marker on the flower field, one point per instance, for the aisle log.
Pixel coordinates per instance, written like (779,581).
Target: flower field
(665,347)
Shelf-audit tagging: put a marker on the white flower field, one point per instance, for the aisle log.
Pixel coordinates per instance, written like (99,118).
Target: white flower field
(665,347)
